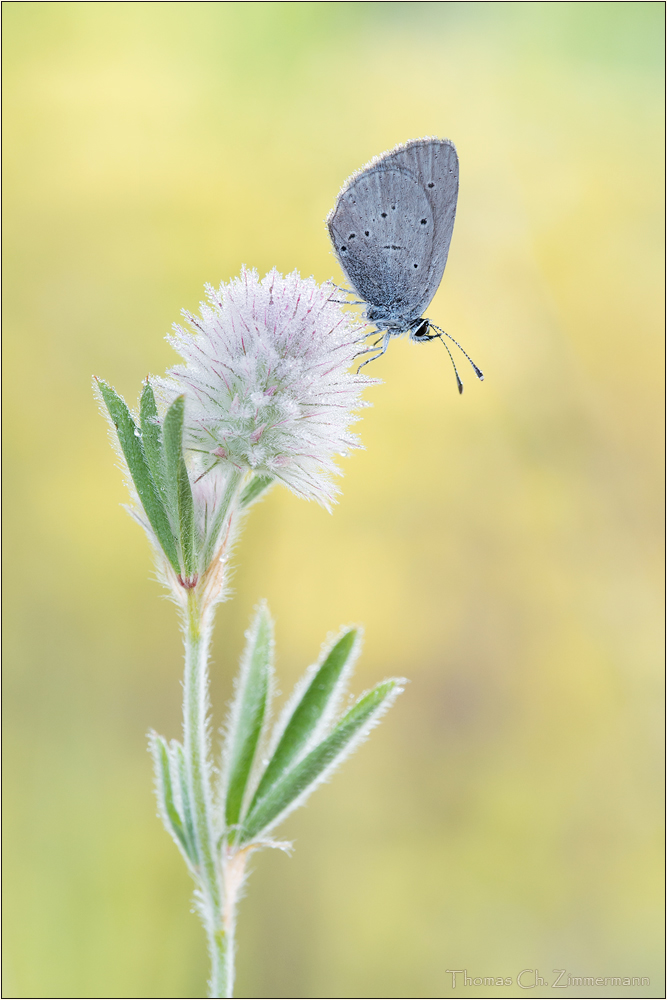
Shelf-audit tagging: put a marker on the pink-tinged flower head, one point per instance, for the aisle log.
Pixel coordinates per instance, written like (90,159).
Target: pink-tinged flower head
(266,381)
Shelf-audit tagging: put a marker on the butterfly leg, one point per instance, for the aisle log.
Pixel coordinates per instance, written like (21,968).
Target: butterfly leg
(368,347)
(385,344)
(346,302)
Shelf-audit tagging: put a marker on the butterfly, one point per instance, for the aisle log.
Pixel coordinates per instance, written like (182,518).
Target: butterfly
(391,228)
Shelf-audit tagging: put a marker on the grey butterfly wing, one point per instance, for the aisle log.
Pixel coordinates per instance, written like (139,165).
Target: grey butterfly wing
(392,226)
(436,165)
(382,232)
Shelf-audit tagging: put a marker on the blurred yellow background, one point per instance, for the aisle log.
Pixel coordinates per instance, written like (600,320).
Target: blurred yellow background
(502,549)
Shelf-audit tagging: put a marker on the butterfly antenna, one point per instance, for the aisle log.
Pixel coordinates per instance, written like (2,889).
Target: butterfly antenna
(458,378)
(478,371)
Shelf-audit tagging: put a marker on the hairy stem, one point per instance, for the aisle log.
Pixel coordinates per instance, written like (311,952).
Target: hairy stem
(233,874)
(197,628)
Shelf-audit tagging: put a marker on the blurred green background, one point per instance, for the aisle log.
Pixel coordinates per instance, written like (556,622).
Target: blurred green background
(502,549)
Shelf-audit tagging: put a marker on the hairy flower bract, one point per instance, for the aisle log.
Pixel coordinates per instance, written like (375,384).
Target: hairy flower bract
(266,381)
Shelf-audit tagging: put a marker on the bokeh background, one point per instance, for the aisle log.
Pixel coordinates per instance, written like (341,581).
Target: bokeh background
(502,549)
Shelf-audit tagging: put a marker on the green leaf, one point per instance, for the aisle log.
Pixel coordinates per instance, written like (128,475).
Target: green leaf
(254,489)
(130,442)
(215,529)
(294,786)
(178,483)
(248,711)
(311,711)
(180,779)
(151,437)
(186,517)
(165,793)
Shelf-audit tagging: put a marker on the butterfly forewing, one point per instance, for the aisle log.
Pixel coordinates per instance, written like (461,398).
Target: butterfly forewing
(382,231)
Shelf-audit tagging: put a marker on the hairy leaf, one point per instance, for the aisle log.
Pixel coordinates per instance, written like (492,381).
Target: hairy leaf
(171,816)
(215,528)
(308,714)
(180,781)
(151,437)
(295,785)
(248,711)
(255,488)
(130,442)
(178,483)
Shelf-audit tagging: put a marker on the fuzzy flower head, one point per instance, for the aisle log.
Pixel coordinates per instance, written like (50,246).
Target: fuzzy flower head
(266,381)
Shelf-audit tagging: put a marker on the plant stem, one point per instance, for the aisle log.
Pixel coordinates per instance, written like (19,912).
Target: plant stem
(233,875)
(197,629)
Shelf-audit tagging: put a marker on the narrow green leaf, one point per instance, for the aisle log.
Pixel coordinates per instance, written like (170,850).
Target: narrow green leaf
(178,483)
(248,712)
(294,786)
(215,528)
(181,778)
(310,711)
(130,442)
(186,516)
(165,792)
(151,437)
(255,488)
(172,439)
